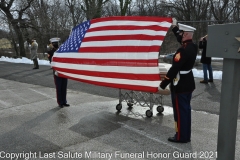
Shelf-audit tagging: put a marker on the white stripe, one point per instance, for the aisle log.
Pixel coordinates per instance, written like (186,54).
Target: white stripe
(118,69)
(111,55)
(114,80)
(121,43)
(125,32)
(129,22)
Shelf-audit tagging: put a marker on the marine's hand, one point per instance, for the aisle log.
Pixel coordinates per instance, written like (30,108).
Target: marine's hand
(162,86)
(174,21)
(56,73)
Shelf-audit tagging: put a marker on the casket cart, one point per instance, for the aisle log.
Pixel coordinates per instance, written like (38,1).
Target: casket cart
(145,99)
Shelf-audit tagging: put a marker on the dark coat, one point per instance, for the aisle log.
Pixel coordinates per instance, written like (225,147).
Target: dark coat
(183,60)
(203,46)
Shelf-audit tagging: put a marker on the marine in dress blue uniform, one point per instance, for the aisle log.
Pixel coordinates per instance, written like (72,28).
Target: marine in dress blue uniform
(182,84)
(61,90)
(61,86)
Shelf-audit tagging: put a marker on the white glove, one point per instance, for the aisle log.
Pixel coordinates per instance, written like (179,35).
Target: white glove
(56,73)
(160,89)
(165,91)
(174,21)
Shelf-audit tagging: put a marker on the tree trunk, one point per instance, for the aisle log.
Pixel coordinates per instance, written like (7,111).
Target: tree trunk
(20,40)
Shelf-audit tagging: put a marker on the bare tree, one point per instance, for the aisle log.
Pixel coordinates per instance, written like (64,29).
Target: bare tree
(111,9)
(93,8)
(236,12)
(48,19)
(155,8)
(223,9)
(124,4)
(140,8)
(17,11)
(118,8)
(75,11)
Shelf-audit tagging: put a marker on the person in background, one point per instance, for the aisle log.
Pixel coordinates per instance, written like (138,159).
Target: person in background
(206,61)
(52,47)
(49,46)
(181,80)
(32,45)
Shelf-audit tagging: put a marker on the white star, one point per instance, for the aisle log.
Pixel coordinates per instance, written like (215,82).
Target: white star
(238,38)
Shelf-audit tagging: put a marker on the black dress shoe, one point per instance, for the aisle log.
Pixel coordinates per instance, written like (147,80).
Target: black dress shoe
(173,139)
(36,68)
(61,106)
(210,80)
(203,81)
(66,105)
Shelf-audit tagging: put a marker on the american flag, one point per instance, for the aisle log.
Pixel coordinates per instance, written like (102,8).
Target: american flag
(118,52)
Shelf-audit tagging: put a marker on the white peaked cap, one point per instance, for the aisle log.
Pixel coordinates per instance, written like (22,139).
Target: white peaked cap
(186,28)
(55,39)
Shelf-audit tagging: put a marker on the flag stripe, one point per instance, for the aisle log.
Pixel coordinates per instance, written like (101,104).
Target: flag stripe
(127,23)
(129,27)
(119,69)
(109,55)
(120,49)
(121,43)
(113,80)
(136,21)
(146,77)
(124,37)
(126,32)
(108,62)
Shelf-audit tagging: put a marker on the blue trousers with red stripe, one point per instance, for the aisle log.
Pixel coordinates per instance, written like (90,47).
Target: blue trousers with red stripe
(61,89)
(182,115)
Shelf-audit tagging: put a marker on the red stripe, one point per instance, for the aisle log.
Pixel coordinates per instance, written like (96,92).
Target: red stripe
(178,118)
(120,49)
(109,62)
(148,77)
(123,37)
(113,85)
(128,27)
(132,18)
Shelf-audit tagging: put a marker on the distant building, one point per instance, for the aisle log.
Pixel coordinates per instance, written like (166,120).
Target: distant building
(5,43)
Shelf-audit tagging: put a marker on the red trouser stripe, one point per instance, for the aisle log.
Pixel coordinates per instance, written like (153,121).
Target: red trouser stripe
(178,119)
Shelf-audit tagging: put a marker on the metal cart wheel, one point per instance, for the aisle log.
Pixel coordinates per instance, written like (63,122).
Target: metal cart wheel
(129,105)
(119,107)
(160,109)
(149,113)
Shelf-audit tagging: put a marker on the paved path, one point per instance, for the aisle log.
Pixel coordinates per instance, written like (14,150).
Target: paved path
(32,124)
